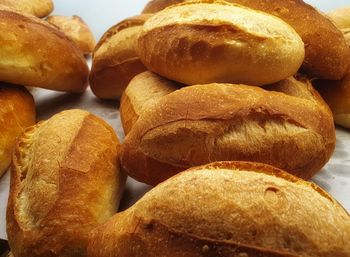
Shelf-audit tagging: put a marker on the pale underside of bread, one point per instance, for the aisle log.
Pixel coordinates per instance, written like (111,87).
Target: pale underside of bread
(217,122)
(215,211)
(65,180)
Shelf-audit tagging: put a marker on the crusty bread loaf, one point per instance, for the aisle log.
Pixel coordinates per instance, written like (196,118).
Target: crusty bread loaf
(35,53)
(39,8)
(231,209)
(213,41)
(326,54)
(115,61)
(76,29)
(337,95)
(220,122)
(65,180)
(17,112)
(341,17)
(143,91)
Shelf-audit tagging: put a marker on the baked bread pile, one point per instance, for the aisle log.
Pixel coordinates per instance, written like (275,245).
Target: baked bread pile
(220,114)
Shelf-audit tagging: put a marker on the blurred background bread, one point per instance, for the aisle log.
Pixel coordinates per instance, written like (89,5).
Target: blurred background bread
(326,53)
(39,8)
(217,122)
(228,209)
(143,91)
(76,29)
(17,112)
(115,61)
(35,53)
(65,180)
(213,41)
(341,17)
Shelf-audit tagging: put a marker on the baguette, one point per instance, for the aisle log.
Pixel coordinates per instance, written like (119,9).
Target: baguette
(77,30)
(35,53)
(143,91)
(65,180)
(115,61)
(39,8)
(231,209)
(326,54)
(203,42)
(221,122)
(12,121)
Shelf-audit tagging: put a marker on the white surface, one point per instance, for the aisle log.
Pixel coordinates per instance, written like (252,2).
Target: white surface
(100,15)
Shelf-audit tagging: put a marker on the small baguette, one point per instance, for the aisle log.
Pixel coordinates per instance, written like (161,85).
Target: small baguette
(38,8)
(221,122)
(203,42)
(17,112)
(229,209)
(77,30)
(115,61)
(65,180)
(35,53)
(143,91)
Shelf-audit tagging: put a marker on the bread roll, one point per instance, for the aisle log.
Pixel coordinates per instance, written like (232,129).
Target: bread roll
(326,53)
(143,91)
(205,42)
(77,30)
(226,210)
(341,17)
(218,122)
(17,112)
(337,95)
(115,61)
(34,53)
(39,8)
(65,180)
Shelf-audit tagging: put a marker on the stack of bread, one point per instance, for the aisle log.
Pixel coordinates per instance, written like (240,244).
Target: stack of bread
(220,115)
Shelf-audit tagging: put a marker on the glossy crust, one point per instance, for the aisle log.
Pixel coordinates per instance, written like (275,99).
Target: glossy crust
(229,209)
(337,95)
(76,29)
(341,17)
(38,8)
(115,61)
(326,54)
(65,180)
(219,42)
(143,91)
(224,122)
(35,53)
(12,121)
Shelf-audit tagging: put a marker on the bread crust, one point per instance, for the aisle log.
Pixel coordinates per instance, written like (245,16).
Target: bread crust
(77,30)
(220,122)
(219,42)
(214,210)
(143,91)
(326,54)
(38,8)
(341,17)
(65,180)
(12,121)
(115,62)
(57,65)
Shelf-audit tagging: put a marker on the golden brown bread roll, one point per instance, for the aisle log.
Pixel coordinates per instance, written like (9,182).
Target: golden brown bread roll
(39,8)
(219,122)
(65,180)
(341,17)
(204,42)
(76,29)
(17,112)
(232,209)
(35,53)
(143,91)
(326,53)
(115,61)
(337,95)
